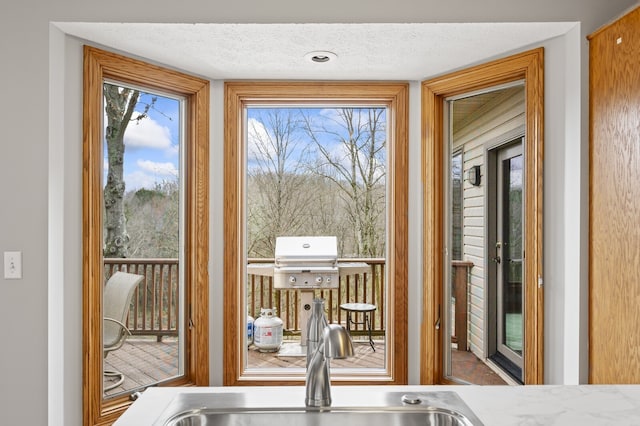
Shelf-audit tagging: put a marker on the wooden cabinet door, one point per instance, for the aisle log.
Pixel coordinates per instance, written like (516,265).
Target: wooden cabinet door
(614,220)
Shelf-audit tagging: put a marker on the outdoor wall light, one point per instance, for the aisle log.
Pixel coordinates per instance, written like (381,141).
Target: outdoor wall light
(473,175)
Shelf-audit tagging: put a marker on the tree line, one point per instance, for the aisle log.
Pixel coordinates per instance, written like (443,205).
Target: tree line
(307,174)
(314,174)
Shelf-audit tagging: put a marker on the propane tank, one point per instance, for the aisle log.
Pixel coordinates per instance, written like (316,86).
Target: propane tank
(249,330)
(267,331)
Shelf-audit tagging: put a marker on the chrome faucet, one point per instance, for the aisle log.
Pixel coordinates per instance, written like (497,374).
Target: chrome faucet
(317,323)
(335,343)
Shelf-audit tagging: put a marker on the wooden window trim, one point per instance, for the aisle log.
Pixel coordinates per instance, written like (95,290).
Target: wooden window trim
(98,66)
(237,94)
(527,66)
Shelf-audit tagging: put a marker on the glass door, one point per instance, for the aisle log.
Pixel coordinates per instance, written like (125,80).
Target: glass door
(508,259)
(480,126)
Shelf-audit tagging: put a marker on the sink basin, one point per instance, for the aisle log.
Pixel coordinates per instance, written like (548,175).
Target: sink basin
(424,409)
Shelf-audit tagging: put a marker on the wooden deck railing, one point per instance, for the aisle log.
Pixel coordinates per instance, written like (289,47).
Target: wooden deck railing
(460,275)
(155,305)
(363,288)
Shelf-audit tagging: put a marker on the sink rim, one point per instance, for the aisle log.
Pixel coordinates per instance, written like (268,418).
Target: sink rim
(302,410)
(185,405)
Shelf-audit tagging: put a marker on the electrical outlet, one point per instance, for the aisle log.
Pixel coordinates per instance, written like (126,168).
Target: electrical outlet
(12,265)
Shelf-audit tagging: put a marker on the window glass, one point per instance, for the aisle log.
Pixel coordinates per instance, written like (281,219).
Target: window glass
(316,171)
(142,201)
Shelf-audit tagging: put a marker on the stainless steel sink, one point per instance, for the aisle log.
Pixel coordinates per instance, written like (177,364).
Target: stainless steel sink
(341,416)
(424,409)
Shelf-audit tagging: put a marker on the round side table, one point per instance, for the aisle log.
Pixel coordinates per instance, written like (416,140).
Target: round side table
(366,309)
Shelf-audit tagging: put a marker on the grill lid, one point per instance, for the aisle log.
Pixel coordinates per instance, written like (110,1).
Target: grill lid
(317,250)
(306,255)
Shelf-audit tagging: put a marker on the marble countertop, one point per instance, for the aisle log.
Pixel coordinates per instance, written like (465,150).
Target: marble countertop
(494,405)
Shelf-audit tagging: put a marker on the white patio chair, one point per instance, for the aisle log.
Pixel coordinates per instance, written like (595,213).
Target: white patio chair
(115,304)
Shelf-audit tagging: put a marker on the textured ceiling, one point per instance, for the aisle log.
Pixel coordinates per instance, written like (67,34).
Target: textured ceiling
(277,51)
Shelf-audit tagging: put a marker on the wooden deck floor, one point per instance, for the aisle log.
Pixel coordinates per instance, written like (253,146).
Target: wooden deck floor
(145,361)
(364,357)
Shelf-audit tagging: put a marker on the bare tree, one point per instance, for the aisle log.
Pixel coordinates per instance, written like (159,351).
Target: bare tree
(152,219)
(278,198)
(357,168)
(120,104)
(317,176)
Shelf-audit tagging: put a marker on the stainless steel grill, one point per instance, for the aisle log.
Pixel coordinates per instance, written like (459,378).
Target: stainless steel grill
(306,263)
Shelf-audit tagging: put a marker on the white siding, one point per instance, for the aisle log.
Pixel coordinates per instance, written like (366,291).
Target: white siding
(478,133)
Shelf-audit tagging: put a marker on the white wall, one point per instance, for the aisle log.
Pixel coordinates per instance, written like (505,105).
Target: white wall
(40,182)
(216,324)
(554,202)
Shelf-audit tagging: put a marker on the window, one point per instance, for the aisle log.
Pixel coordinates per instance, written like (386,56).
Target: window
(457,221)
(271,109)
(155,230)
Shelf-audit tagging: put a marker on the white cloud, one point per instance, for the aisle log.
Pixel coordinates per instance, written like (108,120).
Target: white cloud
(147,133)
(172,151)
(332,119)
(149,173)
(341,154)
(138,179)
(257,140)
(158,169)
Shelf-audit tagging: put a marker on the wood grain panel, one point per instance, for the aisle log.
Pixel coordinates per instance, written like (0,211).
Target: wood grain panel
(614,249)
(527,66)
(239,94)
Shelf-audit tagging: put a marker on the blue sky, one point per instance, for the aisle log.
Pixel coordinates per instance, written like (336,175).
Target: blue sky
(152,145)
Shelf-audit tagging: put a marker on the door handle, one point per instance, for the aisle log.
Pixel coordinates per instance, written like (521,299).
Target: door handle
(497,258)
